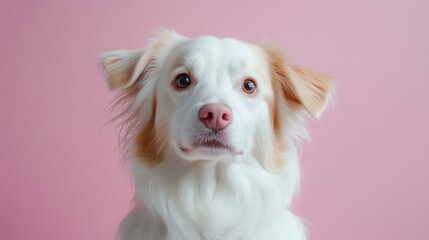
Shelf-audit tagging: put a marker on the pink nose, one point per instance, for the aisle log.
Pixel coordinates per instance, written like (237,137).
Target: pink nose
(216,116)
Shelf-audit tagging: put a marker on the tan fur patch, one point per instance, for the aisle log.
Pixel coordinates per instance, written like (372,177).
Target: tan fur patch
(300,88)
(149,144)
(279,147)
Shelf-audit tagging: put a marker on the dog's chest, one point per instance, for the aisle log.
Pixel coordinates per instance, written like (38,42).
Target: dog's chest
(216,200)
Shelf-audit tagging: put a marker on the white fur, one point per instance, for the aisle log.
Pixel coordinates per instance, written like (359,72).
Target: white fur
(209,194)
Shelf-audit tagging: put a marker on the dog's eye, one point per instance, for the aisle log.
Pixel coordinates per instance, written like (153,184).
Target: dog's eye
(182,81)
(249,86)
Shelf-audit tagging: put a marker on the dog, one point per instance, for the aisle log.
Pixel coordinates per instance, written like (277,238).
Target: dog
(211,127)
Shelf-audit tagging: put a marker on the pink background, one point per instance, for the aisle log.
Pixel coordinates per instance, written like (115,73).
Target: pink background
(365,174)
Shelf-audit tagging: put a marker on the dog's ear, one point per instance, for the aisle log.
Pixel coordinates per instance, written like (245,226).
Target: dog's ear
(124,67)
(311,89)
(300,86)
(119,66)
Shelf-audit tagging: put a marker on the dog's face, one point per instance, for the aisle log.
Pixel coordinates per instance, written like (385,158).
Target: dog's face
(210,99)
(213,93)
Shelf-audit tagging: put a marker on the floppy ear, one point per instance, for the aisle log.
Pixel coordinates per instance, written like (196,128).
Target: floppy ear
(123,68)
(119,67)
(311,88)
(300,86)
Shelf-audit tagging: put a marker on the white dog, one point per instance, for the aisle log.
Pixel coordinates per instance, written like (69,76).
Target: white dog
(210,127)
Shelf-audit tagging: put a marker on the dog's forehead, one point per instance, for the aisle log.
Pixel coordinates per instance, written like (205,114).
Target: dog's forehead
(227,50)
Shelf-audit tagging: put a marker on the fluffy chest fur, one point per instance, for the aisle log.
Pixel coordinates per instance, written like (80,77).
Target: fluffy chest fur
(217,200)
(210,126)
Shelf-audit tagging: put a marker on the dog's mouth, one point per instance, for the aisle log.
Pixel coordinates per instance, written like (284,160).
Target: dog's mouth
(213,145)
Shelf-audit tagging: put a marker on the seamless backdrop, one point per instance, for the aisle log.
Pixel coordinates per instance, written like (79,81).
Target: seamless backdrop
(365,174)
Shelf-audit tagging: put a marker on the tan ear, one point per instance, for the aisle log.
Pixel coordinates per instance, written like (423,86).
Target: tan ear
(123,68)
(311,88)
(119,67)
(300,86)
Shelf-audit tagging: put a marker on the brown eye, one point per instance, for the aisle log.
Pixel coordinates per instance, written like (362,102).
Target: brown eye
(249,86)
(182,81)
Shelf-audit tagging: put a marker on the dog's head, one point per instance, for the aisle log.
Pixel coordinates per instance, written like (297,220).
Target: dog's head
(211,99)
